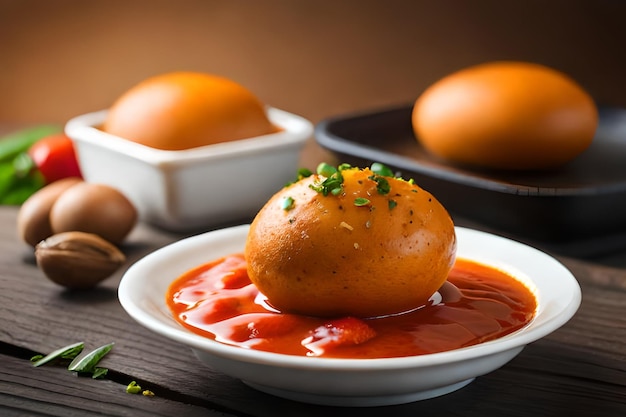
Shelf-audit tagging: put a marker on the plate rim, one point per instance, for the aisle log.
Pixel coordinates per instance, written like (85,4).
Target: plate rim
(132,303)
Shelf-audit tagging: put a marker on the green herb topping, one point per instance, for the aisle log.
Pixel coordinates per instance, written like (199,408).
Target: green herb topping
(382,170)
(287,203)
(333,184)
(382,185)
(304,173)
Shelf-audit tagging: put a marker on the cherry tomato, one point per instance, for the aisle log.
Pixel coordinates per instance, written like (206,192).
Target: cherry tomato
(55,157)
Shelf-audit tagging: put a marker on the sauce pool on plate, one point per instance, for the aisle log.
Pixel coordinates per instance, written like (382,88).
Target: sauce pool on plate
(477,303)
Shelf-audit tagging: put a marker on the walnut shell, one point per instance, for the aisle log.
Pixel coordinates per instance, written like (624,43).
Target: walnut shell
(78,260)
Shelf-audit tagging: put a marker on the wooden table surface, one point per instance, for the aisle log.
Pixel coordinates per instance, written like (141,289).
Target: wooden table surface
(578,370)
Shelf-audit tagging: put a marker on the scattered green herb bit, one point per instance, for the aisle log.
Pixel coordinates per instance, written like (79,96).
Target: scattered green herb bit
(88,362)
(382,185)
(326,170)
(304,173)
(337,190)
(343,167)
(133,388)
(332,185)
(392,204)
(99,372)
(68,352)
(147,393)
(382,170)
(287,204)
(360,202)
(411,181)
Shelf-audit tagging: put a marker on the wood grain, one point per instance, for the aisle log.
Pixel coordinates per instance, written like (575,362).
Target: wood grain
(581,367)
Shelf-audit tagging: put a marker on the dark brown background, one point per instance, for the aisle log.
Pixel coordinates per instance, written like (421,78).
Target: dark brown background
(317,58)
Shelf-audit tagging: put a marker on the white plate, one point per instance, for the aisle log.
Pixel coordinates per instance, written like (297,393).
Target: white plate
(352,382)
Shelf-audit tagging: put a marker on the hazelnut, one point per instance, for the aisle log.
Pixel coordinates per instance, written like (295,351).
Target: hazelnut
(78,260)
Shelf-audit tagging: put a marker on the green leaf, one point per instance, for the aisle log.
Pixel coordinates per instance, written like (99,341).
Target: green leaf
(23,164)
(68,352)
(20,141)
(88,362)
(360,202)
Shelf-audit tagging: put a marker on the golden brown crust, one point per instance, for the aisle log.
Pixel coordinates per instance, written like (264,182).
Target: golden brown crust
(326,256)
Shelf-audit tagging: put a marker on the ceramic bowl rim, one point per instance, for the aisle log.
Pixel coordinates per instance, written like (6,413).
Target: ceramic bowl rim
(295,131)
(532,332)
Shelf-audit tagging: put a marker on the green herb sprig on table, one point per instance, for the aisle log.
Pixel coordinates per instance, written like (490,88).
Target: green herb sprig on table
(82,365)
(66,353)
(86,364)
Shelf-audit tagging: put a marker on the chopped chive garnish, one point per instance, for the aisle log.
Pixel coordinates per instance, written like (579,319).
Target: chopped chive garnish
(382,185)
(382,170)
(333,184)
(287,203)
(333,180)
(360,202)
(304,173)
(336,191)
(392,204)
(326,170)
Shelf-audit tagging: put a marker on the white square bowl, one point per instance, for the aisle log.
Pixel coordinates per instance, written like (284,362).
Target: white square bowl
(197,188)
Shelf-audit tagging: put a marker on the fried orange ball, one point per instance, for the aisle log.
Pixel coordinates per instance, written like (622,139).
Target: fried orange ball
(184,110)
(350,243)
(506,115)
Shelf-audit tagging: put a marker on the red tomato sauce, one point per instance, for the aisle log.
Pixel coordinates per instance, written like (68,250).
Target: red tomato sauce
(476,304)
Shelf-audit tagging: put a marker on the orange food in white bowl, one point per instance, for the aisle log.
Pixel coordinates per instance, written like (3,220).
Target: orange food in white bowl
(184,110)
(164,146)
